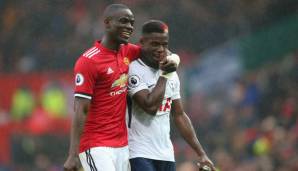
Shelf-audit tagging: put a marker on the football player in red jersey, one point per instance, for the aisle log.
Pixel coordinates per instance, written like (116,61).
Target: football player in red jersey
(99,133)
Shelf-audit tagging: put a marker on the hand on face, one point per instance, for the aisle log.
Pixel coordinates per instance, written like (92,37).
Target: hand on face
(168,66)
(170,63)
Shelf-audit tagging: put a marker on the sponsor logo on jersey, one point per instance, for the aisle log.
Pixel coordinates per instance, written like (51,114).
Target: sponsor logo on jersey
(118,92)
(126,60)
(121,82)
(79,79)
(149,86)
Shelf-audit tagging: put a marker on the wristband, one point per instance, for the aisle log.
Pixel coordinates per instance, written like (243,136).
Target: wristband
(165,75)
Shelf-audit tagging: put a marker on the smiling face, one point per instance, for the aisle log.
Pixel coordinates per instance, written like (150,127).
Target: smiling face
(154,47)
(119,25)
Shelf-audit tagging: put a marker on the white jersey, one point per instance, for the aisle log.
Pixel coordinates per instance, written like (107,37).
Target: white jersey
(149,136)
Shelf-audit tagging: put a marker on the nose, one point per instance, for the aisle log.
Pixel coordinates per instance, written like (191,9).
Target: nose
(129,26)
(161,49)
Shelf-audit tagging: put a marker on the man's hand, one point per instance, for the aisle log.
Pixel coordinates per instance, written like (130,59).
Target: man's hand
(170,64)
(72,163)
(205,164)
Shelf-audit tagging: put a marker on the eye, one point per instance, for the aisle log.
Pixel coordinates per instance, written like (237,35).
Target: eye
(124,20)
(165,44)
(132,22)
(154,44)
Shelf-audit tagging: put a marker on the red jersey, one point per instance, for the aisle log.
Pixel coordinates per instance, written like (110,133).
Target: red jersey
(101,75)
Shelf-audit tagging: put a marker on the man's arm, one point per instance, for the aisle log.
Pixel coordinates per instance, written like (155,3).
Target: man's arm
(81,107)
(187,131)
(151,101)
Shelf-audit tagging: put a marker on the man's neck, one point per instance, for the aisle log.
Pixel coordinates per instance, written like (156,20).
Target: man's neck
(109,43)
(147,62)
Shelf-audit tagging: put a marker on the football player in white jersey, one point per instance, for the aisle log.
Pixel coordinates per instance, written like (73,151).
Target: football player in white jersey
(155,95)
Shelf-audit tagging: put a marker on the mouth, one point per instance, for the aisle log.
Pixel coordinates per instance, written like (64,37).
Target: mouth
(159,57)
(125,34)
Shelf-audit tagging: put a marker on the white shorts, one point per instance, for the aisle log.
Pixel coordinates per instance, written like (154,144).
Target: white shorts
(105,159)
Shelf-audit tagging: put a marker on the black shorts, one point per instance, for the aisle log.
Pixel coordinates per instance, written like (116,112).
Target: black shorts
(143,164)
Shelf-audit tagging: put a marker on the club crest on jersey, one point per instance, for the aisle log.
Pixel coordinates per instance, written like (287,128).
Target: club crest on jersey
(133,81)
(79,79)
(126,60)
(121,81)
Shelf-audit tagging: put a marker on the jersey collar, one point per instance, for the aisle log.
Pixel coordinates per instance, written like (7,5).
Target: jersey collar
(142,63)
(102,48)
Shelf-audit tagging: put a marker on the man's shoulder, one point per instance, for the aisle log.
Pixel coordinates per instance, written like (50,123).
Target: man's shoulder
(131,45)
(87,58)
(134,64)
(84,60)
(91,52)
(131,48)
(93,55)
(137,65)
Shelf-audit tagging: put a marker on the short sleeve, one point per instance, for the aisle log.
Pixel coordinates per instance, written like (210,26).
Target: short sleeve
(85,77)
(133,52)
(176,93)
(136,82)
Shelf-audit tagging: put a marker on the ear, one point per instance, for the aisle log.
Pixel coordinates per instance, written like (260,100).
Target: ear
(142,40)
(106,22)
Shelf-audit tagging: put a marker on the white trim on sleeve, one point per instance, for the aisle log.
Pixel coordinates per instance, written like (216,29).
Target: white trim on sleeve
(82,95)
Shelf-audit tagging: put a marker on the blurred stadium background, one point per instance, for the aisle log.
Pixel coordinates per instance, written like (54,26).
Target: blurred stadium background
(239,74)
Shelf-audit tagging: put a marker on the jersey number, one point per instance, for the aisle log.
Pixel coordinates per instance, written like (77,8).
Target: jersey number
(166,106)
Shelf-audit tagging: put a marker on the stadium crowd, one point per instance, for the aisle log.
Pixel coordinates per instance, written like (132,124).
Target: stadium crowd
(47,35)
(249,125)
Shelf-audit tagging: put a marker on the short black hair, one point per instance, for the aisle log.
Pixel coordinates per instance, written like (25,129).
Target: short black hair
(110,10)
(154,26)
